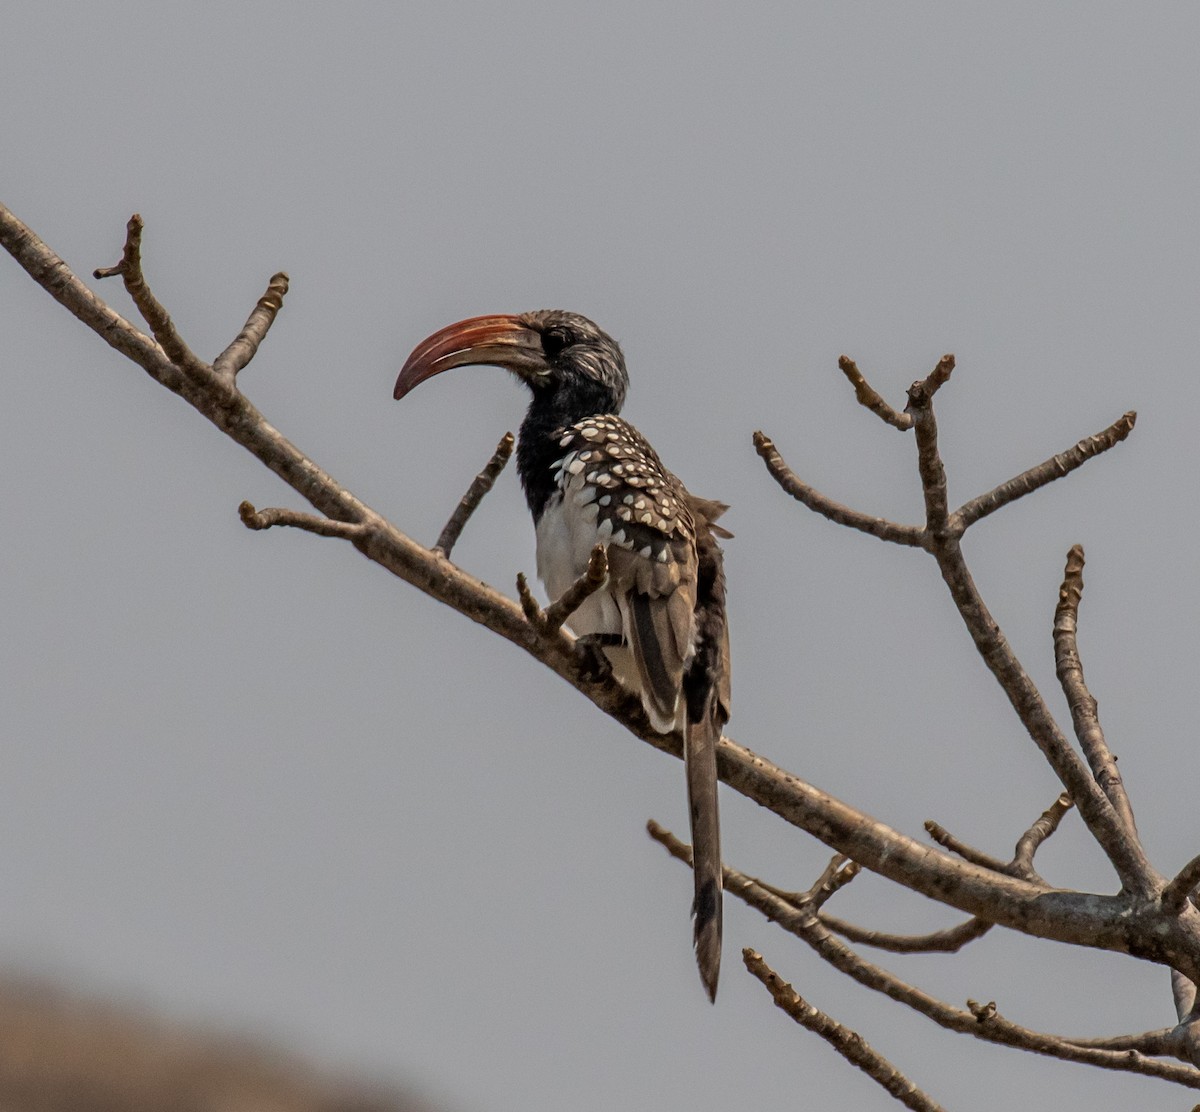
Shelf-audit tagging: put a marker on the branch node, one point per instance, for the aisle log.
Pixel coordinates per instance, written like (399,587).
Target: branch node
(920,393)
(982,1012)
(159,320)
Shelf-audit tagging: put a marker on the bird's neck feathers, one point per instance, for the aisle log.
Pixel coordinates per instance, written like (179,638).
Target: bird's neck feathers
(538,445)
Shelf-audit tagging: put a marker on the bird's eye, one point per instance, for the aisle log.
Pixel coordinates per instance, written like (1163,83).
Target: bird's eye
(554,340)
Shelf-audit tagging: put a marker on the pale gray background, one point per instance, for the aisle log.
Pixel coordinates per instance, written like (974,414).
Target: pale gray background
(250,778)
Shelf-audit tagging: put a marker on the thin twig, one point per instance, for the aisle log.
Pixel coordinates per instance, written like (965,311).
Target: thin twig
(944,838)
(310,523)
(838,873)
(1084,714)
(947,941)
(849,1044)
(929,461)
(580,591)
(159,320)
(479,487)
(806,925)
(238,354)
(1031,841)
(530,607)
(910,535)
(1046,472)
(953,939)
(869,397)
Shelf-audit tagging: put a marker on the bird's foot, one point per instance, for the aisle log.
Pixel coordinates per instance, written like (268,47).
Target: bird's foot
(594,666)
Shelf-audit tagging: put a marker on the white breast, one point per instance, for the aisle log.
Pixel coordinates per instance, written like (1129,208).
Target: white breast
(565,539)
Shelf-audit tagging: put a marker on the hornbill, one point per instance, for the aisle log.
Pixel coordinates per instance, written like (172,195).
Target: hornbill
(591,478)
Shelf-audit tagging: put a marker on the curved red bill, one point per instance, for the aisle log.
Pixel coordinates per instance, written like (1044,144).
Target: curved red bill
(502,340)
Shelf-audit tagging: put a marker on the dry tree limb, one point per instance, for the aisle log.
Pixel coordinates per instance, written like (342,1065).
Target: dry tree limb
(549,622)
(1084,714)
(1121,847)
(870,398)
(469,502)
(929,460)
(310,523)
(944,838)
(244,345)
(952,939)
(581,590)
(949,940)
(849,1044)
(129,269)
(807,925)
(1046,472)
(910,535)
(1031,841)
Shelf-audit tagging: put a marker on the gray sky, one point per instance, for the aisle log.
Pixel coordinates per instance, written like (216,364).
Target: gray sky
(252,779)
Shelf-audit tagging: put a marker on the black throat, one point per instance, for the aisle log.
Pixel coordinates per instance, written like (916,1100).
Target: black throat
(550,413)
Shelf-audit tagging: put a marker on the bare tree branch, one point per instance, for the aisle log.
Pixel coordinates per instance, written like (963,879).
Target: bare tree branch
(310,523)
(947,941)
(868,396)
(803,922)
(581,590)
(475,494)
(159,320)
(1084,713)
(910,535)
(929,461)
(953,939)
(849,1044)
(1123,850)
(943,837)
(243,347)
(1046,472)
(1030,842)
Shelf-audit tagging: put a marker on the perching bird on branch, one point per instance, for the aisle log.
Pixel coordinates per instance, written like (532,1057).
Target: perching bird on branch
(591,478)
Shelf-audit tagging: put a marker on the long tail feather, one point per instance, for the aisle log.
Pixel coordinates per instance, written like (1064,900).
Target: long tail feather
(700,759)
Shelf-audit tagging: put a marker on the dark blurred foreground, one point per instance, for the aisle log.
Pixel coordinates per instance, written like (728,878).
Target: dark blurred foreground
(66,1053)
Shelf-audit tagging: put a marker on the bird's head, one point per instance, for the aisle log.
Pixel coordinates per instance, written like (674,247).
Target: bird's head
(569,364)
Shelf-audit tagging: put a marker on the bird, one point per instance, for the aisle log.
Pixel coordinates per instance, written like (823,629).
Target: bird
(589,477)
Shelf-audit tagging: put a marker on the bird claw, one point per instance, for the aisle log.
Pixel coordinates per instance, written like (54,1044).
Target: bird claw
(594,666)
